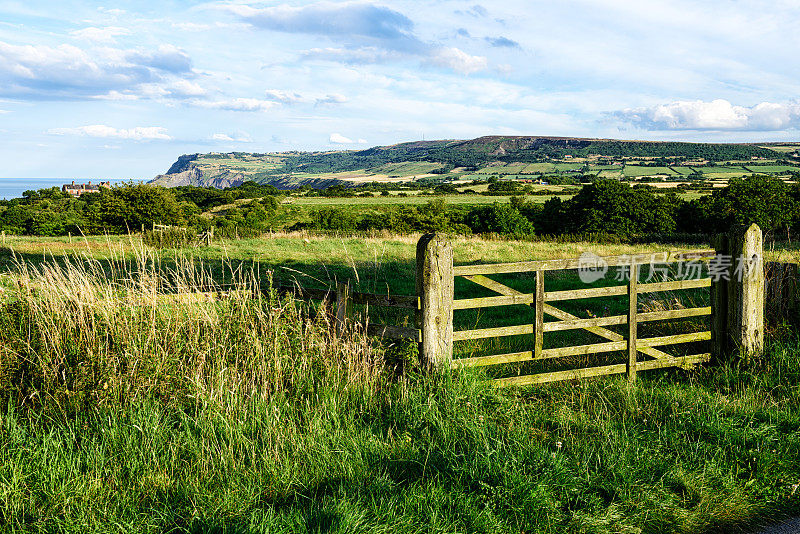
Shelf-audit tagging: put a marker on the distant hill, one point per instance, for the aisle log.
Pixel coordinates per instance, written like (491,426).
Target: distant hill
(433,160)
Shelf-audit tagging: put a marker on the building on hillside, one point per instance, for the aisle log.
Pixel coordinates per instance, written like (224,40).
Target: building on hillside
(77,190)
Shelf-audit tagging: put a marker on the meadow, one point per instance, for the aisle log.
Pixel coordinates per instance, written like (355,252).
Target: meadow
(123,410)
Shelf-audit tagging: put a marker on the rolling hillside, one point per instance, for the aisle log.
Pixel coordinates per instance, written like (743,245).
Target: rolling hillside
(461,159)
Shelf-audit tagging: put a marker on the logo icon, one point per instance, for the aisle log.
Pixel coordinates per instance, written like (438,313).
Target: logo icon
(591,267)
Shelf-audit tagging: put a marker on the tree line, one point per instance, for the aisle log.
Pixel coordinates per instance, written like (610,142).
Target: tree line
(603,206)
(131,207)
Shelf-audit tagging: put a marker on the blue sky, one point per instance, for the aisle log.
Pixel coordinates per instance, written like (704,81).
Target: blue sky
(119,90)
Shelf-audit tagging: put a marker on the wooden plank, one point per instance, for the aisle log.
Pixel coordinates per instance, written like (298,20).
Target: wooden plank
(558,376)
(393,332)
(674,339)
(539,322)
(674,285)
(583,324)
(604,333)
(574,263)
(497,287)
(673,314)
(496,359)
(581,350)
(485,302)
(589,293)
(500,331)
(633,305)
(390,301)
(560,314)
(576,374)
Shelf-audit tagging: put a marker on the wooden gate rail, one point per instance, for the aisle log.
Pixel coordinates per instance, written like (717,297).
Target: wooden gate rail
(575,263)
(540,298)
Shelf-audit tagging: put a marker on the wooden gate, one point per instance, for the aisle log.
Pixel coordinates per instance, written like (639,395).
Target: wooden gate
(735,306)
(545,303)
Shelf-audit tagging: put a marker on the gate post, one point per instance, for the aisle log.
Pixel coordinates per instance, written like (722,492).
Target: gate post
(745,326)
(435,291)
(719,300)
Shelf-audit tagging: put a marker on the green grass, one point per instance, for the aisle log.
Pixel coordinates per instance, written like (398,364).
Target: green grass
(773,168)
(633,170)
(413,200)
(124,410)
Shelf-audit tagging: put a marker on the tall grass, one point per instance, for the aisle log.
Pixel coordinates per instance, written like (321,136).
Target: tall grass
(140,396)
(82,333)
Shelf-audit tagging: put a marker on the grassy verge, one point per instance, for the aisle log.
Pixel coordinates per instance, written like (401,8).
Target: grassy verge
(123,410)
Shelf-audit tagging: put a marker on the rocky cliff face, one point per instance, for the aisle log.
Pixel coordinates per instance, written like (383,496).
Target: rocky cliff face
(193,175)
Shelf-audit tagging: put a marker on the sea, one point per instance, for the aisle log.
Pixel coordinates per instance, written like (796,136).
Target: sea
(13,187)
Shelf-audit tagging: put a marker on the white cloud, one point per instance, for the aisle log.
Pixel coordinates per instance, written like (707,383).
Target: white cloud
(100,35)
(3,111)
(284,97)
(70,72)
(244,138)
(362,141)
(715,115)
(339,139)
(116,95)
(352,56)
(333,98)
(184,89)
(237,104)
(458,60)
(139,133)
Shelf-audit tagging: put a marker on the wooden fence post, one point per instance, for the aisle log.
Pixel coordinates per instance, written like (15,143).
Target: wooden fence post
(719,300)
(746,291)
(435,291)
(538,326)
(342,305)
(633,308)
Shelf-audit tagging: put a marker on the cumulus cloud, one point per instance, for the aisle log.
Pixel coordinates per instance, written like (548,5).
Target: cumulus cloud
(139,133)
(715,115)
(100,35)
(365,33)
(339,139)
(458,60)
(237,104)
(331,99)
(70,72)
(184,89)
(350,22)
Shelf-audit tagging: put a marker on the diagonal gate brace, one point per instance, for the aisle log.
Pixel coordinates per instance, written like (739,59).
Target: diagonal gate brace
(566,316)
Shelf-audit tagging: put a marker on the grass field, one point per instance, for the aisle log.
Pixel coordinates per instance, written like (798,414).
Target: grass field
(411,200)
(123,411)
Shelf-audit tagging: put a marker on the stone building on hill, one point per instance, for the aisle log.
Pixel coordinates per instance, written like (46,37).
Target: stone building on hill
(77,190)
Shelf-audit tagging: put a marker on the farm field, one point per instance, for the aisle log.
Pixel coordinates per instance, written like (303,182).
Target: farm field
(243,414)
(411,199)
